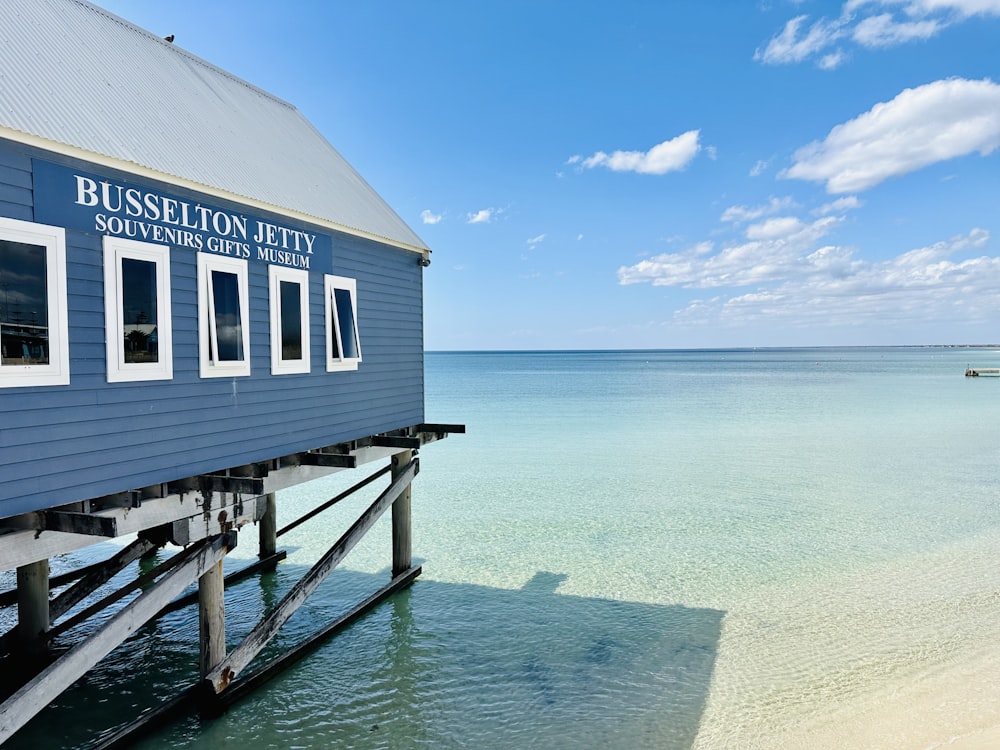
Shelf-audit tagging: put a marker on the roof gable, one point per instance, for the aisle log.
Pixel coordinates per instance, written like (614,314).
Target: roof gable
(77,75)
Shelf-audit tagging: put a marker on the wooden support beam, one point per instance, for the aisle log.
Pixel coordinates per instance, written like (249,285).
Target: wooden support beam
(24,546)
(220,677)
(243,687)
(142,581)
(450,429)
(267,527)
(237,485)
(98,577)
(333,501)
(129,499)
(204,483)
(33,608)
(20,542)
(39,692)
(231,514)
(211,619)
(79,523)
(401,527)
(157,717)
(265,564)
(396,441)
(258,470)
(333,460)
(241,485)
(10,596)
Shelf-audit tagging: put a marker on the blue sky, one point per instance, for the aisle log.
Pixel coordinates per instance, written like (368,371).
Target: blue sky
(642,174)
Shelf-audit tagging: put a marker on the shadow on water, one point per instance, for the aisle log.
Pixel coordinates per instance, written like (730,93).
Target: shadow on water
(438,665)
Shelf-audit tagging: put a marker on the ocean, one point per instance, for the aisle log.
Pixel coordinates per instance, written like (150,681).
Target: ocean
(704,550)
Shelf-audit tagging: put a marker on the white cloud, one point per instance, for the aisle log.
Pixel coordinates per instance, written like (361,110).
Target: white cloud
(921,126)
(963,8)
(841,205)
(535,240)
(791,45)
(836,289)
(669,156)
(832,61)
(483,216)
(775,229)
(885,31)
(759,168)
(773,250)
(740,214)
(429,217)
(871,24)
(703,248)
(790,274)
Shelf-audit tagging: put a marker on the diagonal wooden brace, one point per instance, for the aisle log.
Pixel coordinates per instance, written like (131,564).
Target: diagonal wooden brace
(39,692)
(219,678)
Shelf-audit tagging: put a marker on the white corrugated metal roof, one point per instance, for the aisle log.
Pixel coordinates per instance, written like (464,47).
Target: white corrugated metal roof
(77,75)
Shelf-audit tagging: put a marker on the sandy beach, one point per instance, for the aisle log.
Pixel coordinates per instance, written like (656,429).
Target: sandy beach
(955,708)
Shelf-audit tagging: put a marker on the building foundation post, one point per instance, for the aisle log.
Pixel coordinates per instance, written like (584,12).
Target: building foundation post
(33,607)
(401,519)
(211,618)
(268,528)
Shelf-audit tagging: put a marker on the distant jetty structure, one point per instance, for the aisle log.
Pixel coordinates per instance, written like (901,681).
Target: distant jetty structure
(975,372)
(201,304)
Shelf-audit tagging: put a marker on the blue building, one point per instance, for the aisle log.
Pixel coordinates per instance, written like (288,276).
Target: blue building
(199,297)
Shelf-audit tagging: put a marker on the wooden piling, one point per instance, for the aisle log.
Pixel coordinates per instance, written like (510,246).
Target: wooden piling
(211,618)
(401,519)
(33,607)
(268,528)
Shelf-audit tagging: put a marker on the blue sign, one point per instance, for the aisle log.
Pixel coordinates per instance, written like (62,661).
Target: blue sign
(81,200)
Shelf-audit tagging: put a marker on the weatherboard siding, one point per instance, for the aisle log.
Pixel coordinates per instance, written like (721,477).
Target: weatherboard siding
(61,444)
(15,184)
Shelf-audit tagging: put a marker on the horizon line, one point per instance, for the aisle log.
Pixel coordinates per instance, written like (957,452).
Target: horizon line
(714,348)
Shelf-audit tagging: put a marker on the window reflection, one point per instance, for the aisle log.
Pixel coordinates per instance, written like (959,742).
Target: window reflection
(228,326)
(345,321)
(291,320)
(139,322)
(24,304)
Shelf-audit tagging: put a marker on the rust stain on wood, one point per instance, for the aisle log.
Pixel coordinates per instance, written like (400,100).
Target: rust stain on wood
(225,678)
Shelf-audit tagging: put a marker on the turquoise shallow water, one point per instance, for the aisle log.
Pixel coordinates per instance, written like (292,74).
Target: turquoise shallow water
(708,549)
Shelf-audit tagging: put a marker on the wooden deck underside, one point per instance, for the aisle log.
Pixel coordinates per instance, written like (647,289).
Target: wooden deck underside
(194,508)
(205,522)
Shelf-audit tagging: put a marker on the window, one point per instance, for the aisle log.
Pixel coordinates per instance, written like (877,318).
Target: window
(137,310)
(34,331)
(223,316)
(343,347)
(289,320)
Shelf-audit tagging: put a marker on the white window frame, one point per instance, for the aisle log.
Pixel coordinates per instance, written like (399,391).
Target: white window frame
(117,249)
(276,275)
(208,346)
(331,283)
(53,239)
